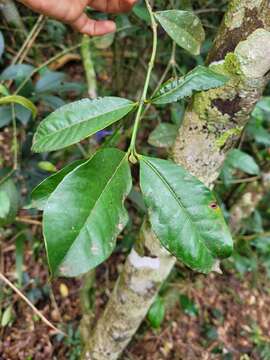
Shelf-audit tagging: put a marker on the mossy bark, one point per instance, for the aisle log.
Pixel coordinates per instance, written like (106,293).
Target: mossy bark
(212,125)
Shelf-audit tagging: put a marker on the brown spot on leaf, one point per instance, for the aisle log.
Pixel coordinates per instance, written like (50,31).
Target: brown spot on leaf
(213,205)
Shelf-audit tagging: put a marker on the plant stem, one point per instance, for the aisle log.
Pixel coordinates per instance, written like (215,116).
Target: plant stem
(15,140)
(29,40)
(89,66)
(132,147)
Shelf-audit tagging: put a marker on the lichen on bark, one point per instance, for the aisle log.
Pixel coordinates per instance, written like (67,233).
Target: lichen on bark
(215,118)
(242,19)
(134,293)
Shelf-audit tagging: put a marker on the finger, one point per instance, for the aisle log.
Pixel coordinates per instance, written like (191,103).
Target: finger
(112,6)
(92,27)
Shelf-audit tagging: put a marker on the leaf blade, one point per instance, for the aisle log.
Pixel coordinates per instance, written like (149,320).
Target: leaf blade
(76,121)
(42,192)
(199,79)
(181,214)
(184,27)
(93,216)
(17,99)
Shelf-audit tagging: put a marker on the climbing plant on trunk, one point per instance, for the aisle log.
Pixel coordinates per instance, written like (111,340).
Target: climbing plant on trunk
(83,204)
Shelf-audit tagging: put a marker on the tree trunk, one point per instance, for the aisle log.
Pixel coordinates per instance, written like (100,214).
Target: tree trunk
(212,125)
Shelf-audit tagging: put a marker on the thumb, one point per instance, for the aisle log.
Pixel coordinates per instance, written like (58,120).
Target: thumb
(92,27)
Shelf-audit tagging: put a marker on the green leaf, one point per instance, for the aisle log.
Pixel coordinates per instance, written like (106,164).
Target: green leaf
(201,78)
(184,27)
(7,316)
(2,44)
(104,42)
(3,90)
(50,81)
(42,192)
(76,121)
(5,116)
(259,133)
(54,102)
(184,214)
(264,104)
(19,257)
(242,161)
(85,213)
(47,166)
(4,204)
(21,101)
(9,199)
(188,306)
(156,313)
(140,10)
(16,72)
(164,135)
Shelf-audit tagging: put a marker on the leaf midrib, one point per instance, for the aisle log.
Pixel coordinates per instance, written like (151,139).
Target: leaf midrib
(93,208)
(83,121)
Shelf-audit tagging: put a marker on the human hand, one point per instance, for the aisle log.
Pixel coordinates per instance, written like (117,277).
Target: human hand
(72,12)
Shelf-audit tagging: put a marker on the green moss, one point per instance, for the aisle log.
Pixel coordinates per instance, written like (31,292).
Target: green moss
(221,141)
(232,65)
(202,102)
(203,105)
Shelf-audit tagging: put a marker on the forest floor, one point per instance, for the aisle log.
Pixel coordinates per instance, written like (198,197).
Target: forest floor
(228,316)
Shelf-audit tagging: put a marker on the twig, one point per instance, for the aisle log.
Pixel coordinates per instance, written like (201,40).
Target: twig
(28,42)
(28,221)
(240,181)
(24,298)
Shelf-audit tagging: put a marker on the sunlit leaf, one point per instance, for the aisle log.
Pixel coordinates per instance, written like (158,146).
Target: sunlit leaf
(16,99)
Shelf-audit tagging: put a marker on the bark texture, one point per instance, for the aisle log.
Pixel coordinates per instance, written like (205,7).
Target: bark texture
(212,126)
(133,294)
